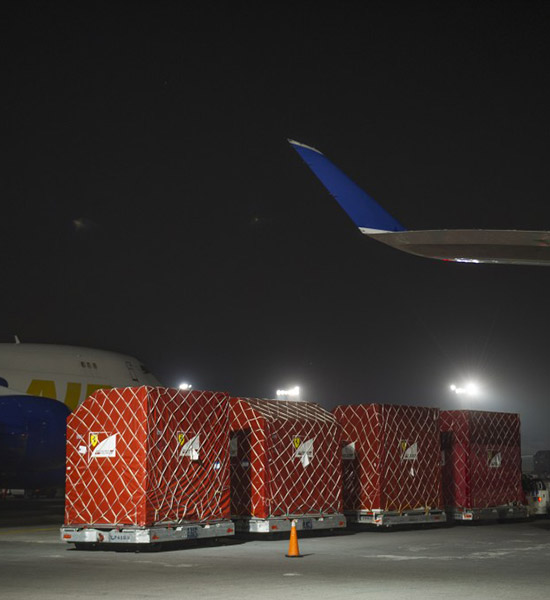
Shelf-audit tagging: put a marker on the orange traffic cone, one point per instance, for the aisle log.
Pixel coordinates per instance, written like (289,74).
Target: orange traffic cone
(293,550)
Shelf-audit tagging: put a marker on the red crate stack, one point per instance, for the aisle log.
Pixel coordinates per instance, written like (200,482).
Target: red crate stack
(392,457)
(482,458)
(147,456)
(285,459)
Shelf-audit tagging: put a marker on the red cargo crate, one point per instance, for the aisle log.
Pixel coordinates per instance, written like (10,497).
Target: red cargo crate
(285,459)
(392,458)
(482,458)
(146,456)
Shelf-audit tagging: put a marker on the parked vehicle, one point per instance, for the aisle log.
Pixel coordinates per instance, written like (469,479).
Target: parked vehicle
(537,493)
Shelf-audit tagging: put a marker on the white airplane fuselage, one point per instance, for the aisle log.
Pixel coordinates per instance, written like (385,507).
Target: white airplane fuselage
(67,373)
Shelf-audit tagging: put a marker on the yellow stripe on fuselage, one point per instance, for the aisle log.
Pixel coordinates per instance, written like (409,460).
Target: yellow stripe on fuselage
(46,388)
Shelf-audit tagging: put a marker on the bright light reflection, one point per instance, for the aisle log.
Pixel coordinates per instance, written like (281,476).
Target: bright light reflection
(185,386)
(292,393)
(470,389)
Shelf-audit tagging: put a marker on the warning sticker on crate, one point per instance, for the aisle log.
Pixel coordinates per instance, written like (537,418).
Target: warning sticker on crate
(190,445)
(103,445)
(348,451)
(409,451)
(303,451)
(494,459)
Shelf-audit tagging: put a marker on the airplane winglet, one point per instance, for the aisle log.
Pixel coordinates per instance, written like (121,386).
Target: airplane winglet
(363,210)
(294,143)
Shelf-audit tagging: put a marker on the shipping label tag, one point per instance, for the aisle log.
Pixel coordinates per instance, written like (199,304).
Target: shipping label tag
(234,447)
(103,445)
(410,451)
(494,459)
(348,451)
(190,445)
(304,451)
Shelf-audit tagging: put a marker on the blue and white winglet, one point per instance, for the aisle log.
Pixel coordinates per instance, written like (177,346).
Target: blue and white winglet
(457,245)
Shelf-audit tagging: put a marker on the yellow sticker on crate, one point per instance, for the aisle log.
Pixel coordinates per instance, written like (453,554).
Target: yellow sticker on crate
(93,440)
(181,439)
(296,441)
(404,445)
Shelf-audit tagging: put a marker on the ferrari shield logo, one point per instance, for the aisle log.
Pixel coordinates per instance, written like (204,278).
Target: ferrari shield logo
(296,442)
(93,440)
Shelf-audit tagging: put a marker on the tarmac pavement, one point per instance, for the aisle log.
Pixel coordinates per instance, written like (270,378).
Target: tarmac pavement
(482,561)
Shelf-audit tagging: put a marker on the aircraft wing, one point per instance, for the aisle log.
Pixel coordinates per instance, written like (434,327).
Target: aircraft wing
(457,245)
(474,245)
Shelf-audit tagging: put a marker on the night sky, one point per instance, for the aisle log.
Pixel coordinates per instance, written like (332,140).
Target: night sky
(151,204)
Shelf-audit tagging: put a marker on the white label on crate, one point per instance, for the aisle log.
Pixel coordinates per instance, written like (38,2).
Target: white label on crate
(82,449)
(304,452)
(233,447)
(410,452)
(495,459)
(217,465)
(191,447)
(103,448)
(348,451)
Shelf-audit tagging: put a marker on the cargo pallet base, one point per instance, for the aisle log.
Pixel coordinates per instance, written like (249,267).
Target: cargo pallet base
(105,534)
(485,514)
(275,524)
(389,518)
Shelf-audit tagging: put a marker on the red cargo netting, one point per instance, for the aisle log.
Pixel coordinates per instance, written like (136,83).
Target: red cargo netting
(144,456)
(285,459)
(482,458)
(391,457)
